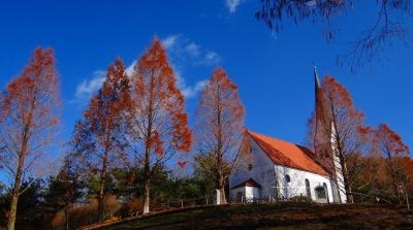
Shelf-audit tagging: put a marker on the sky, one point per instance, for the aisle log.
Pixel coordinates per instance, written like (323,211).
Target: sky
(274,71)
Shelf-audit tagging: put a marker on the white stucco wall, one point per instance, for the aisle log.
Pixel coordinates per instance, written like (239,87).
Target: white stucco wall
(262,171)
(339,173)
(251,192)
(296,186)
(272,177)
(248,192)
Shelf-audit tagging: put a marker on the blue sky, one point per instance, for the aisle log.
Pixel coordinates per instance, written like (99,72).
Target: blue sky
(274,72)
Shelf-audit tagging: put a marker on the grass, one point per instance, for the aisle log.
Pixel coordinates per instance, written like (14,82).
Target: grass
(275,216)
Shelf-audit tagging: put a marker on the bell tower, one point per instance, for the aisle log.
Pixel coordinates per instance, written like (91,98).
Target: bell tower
(325,146)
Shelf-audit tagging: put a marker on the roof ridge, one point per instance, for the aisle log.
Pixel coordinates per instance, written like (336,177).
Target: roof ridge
(297,157)
(291,163)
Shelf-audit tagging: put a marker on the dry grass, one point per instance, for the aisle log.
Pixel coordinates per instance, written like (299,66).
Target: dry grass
(275,216)
(81,215)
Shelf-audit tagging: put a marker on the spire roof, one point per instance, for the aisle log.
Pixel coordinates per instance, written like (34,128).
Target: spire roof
(316,80)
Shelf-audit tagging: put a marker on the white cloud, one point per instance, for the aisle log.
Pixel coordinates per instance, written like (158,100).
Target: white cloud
(232,5)
(129,70)
(274,35)
(192,49)
(170,41)
(182,50)
(88,87)
(189,91)
(312,3)
(212,57)
(183,53)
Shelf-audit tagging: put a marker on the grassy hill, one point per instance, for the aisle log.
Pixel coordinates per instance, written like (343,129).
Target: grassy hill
(275,216)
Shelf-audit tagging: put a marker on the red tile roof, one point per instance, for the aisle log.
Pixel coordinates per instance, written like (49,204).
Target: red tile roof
(287,154)
(250,183)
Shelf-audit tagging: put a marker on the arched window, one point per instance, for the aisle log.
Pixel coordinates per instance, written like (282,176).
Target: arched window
(287,178)
(320,192)
(325,187)
(307,187)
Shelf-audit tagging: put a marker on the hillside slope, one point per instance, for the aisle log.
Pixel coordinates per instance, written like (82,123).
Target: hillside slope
(275,216)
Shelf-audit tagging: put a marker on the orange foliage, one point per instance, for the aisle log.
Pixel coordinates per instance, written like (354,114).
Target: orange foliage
(390,143)
(158,122)
(407,164)
(182,163)
(159,103)
(335,111)
(219,127)
(98,136)
(392,148)
(337,124)
(29,118)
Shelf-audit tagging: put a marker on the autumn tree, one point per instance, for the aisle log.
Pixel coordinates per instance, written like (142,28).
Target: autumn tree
(336,133)
(389,22)
(29,120)
(98,137)
(406,164)
(385,171)
(158,124)
(392,148)
(219,126)
(65,188)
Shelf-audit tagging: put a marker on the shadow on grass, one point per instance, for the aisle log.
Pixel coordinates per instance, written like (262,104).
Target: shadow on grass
(275,216)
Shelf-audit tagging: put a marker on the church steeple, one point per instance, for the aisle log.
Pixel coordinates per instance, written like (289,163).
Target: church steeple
(324,145)
(316,80)
(319,107)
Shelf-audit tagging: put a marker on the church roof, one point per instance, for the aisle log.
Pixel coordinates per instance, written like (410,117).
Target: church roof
(287,154)
(248,183)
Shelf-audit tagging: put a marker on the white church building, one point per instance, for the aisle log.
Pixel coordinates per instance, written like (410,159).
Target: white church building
(276,169)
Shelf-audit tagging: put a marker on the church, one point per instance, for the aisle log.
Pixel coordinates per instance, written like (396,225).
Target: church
(279,170)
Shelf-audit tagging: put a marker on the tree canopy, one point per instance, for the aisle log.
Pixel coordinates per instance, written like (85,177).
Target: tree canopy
(219,127)
(389,25)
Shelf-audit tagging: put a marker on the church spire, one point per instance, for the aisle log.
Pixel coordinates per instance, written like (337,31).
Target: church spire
(320,116)
(324,144)
(316,96)
(316,80)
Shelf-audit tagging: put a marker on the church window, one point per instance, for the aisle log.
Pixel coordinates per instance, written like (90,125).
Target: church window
(320,192)
(326,189)
(307,187)
(249,167)
(287,178)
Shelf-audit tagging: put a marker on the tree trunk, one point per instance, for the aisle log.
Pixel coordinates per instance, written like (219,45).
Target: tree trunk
(147,166)
(341,157)
(146,180)
(347,185)
(146,197)
(221,188)
(391,165)
(102,189)
(16,188)
(103,174)
(67,217)
(13,209)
